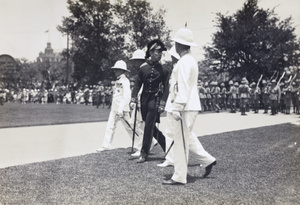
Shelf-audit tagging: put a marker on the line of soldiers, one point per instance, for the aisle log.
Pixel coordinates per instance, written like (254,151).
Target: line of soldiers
(277,96)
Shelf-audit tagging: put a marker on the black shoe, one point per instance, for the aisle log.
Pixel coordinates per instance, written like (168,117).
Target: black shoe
(208,169)
(171,182)
(141,159)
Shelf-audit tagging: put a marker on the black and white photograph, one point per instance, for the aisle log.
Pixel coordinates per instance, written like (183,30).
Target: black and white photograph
(150,102)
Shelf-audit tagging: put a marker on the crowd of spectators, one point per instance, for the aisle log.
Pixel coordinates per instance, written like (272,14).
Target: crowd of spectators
(97,95)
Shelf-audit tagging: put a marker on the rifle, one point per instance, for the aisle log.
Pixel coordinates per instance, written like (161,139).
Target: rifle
(293,79)
(280,79)
(277,75)
(259,81)
(273,75)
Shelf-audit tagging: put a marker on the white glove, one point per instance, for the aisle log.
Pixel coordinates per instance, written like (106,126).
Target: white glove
(132,105)
(120,113)
(179,107)
(176,115)
(161,109)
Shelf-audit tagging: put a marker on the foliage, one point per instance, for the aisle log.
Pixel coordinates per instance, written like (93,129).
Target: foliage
(103,33)
(40,74)
(252,42)
(25,75)
(89,29)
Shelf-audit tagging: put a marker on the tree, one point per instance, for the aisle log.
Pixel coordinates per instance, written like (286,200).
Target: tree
(26,74)
(103,33)
(89,29)
(252,42)
(140,24)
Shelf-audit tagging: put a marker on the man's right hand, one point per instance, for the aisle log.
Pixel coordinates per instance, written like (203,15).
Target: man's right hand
(176,115)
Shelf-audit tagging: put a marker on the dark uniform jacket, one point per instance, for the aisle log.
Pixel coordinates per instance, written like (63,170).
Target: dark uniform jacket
(153,77)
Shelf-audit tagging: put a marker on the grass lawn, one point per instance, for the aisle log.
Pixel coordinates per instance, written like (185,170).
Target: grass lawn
(15,114)
(255,166)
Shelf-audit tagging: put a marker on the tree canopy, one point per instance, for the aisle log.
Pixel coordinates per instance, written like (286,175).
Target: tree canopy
(103,33)
(252,42)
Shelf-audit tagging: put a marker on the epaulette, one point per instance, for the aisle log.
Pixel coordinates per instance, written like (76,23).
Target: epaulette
(143,64)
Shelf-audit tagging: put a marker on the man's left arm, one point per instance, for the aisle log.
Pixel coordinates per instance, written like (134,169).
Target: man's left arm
(126,96)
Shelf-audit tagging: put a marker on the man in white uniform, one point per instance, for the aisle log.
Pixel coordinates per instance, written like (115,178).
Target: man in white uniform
(182,108)
(119,107)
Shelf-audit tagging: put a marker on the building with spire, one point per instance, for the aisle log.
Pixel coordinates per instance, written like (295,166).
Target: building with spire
(49,55)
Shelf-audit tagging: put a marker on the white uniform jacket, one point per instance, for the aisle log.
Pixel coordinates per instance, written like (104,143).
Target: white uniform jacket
(183,86)
(121,95)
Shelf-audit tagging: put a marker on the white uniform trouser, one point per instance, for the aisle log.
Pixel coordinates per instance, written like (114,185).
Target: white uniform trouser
(111,127)
(139,127)
(179,153)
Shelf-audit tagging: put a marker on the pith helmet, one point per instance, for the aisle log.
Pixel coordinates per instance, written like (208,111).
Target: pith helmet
(138,54)
(236,84)
(173,52)
(264,82)
(185,36)
(120,65)
(273,81)
(222,84)
(230,82)
(244,81)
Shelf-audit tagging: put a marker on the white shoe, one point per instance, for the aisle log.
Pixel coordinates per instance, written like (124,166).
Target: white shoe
(136,154)
(166,163)
(101,149)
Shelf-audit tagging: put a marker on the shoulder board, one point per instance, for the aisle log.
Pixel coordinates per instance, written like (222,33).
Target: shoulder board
(143,64)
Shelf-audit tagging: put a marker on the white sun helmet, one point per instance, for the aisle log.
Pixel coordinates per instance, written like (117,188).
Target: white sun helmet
(138,54)
(120,65)
(185,36)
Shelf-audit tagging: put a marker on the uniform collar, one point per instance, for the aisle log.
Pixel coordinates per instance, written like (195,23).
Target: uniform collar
(121,76)
(185,52)
(151,63)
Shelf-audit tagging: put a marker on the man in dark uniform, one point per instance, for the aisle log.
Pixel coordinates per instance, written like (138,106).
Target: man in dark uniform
(154,79)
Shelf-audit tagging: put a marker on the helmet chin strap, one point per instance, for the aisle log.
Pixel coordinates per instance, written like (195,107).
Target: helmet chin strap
(151,62)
